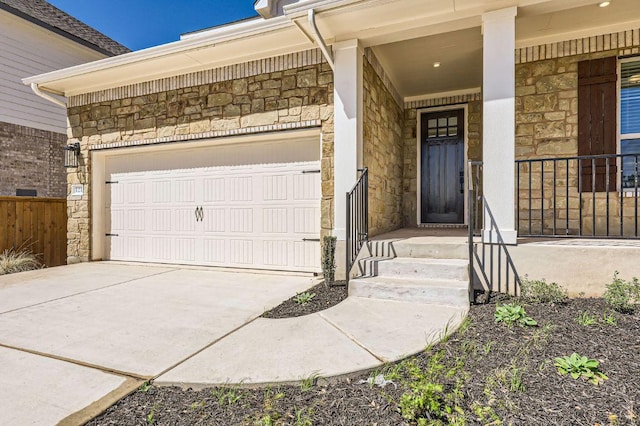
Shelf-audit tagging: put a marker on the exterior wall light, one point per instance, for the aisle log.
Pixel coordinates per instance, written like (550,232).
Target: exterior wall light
(604,3)
(71,154)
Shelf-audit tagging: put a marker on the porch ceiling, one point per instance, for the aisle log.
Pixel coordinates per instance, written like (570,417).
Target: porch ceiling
(409,63)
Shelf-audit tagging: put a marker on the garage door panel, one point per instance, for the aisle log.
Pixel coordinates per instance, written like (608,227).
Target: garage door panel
(274,188)
(241,188)
(214,220)
(241,252)
(185,191)
(161,249)
(184,220)
(161,220)
(275,221)
(306,186)
(214,251)
(241,220)
(252,216)
(185,250)
(306,254)
(214,190)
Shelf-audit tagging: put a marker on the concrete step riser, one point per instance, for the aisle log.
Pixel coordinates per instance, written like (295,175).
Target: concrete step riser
(369,265)
(423,271)
(431,250)
(453,296)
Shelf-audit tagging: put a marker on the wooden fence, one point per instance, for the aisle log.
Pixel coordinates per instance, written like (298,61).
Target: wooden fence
(38,225)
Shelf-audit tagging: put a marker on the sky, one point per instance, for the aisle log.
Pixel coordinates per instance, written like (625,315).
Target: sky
(144,23)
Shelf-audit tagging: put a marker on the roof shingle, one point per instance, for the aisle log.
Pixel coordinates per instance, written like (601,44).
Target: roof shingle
(48,16)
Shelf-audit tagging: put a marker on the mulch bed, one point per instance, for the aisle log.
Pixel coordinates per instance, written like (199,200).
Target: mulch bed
(325,297)
(507,375)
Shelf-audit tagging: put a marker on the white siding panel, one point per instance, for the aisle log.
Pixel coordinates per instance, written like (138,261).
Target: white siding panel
(27,50)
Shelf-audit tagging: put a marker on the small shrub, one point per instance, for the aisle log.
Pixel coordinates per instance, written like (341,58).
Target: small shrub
(580,366)
(586,319)
(12,261)
(513,314)
(304,298)
(329,259)
(540,291)
(621,295)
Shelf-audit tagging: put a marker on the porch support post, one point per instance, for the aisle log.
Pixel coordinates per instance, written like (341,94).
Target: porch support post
(348,100)
(498,140)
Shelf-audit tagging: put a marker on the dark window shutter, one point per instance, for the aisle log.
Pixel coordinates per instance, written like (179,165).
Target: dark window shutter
(597,131)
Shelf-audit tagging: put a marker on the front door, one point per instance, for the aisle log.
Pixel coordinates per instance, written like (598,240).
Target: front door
(442,167)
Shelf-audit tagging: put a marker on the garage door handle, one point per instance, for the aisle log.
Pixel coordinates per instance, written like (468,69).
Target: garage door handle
(199,214)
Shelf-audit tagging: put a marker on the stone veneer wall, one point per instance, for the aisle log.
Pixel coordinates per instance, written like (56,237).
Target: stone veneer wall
(382,153)
(31,159)
(547,126)
(410,145)
(279,100)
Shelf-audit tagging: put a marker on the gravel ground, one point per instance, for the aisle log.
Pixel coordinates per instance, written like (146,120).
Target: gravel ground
(494,374)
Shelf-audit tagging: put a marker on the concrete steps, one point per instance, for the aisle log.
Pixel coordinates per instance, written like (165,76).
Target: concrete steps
(422,270)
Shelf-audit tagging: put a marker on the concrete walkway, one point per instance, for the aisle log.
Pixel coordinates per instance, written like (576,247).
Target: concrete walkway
(354,335)
(74,339)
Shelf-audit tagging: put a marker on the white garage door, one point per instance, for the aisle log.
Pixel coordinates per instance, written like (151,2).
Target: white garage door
(259,216)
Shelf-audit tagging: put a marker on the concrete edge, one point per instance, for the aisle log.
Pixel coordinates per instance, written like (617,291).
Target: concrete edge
(101,405)
(80,363)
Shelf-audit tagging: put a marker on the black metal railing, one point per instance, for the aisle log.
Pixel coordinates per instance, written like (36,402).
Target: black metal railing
(595,196)
(489,260)
(357,228)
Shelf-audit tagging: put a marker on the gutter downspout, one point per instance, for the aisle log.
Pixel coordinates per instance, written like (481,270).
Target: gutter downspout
(36,89)
(311,14)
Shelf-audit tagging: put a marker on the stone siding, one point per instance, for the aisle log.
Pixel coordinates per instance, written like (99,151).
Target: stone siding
(259,102)
(410,147)
(31,159)
(382,153)
(547,127)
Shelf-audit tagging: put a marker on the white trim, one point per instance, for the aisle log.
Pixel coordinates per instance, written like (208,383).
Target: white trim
(429,96)
(465,108)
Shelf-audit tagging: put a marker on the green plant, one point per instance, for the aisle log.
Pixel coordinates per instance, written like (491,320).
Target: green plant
(428,401)
(513,314)
(329,259)
(303,417)
(621,295)
(309,382)
(197,405)
(585,319)
(609,318)
(540,291)
(580,366)
(152,414)
(227,396)
(304,298)
(12,261)
(145,386)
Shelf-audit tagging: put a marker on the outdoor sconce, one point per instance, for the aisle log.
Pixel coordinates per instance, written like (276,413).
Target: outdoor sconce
(71,154)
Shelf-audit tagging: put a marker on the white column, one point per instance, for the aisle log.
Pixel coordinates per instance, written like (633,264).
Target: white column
(347,150)
(498,128)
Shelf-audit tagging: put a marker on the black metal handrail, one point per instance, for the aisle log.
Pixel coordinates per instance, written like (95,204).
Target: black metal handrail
(554,196)
(490,266)
(357,229)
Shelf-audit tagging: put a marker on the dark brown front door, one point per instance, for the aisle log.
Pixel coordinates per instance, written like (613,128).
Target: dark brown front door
(442,167)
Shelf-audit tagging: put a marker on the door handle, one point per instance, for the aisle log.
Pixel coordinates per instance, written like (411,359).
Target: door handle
(462,182)
(199,214)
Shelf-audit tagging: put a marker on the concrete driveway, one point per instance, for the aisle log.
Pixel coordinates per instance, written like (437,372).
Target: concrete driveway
(74,335)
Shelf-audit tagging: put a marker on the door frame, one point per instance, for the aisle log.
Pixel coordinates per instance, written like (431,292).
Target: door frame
(420,112)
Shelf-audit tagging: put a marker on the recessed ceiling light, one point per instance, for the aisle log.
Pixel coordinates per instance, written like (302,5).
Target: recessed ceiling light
(604,3)
(436,64)
(634,79)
